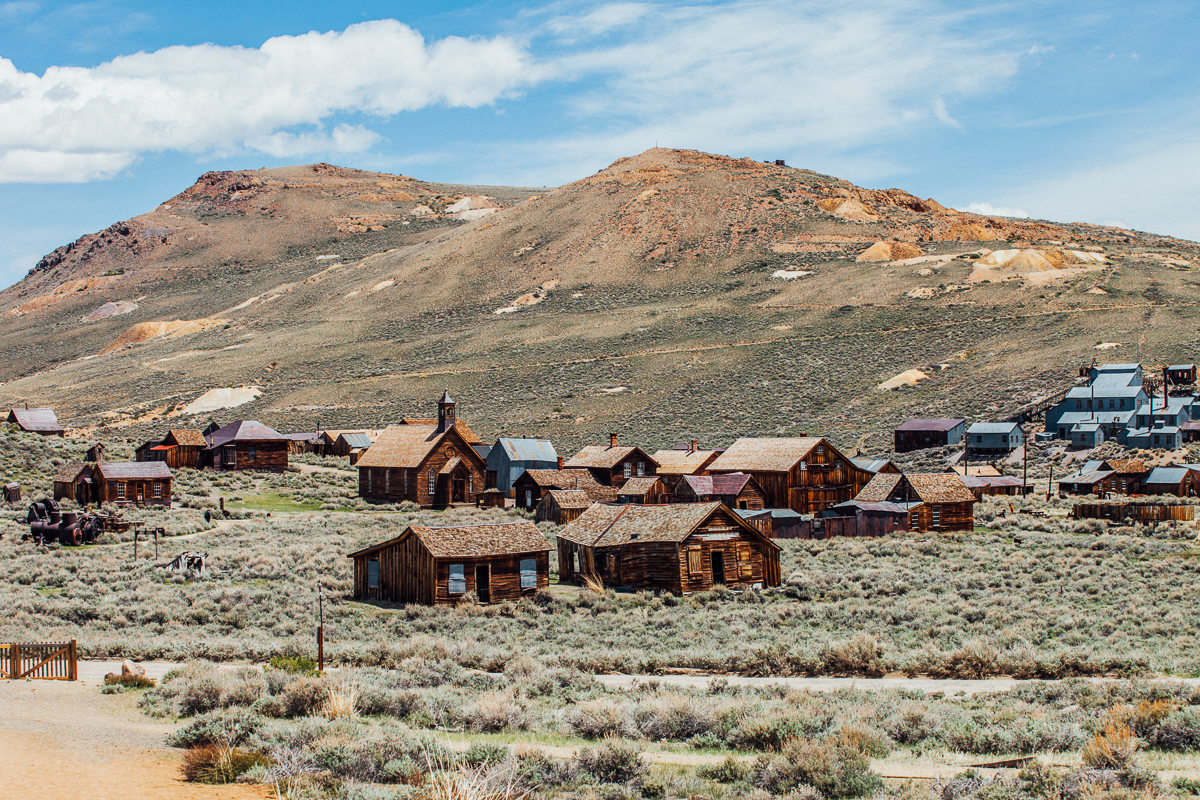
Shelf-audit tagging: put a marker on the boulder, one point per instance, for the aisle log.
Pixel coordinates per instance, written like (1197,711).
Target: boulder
(130,668)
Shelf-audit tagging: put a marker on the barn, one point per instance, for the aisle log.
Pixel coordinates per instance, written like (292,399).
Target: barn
(805,474)
(442,566)
(680,548)
(946,503)
(42,421)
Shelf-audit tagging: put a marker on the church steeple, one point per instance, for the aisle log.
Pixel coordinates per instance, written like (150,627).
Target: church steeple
(445,412)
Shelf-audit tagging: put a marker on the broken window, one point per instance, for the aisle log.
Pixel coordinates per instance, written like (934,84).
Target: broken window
(373,574)
(458,581)
(528,573)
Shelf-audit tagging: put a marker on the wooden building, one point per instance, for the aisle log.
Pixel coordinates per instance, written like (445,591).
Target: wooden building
(776,523)
(42,421)
(303,442)
(75,481)
(859,518)
(133,483)
(562,506)
(142,453)
(508,459)
(246,445)
(95,452)
(690,460)
(1181,374)
(179,449)
(441,566)
(678,548)
(996,485)
(876,465)
(806,474)
(919,434)
(432,465)
(737,490)
(946,504)
(531,487)
(614,464)
(1179,481)
(646,491)
(348,443)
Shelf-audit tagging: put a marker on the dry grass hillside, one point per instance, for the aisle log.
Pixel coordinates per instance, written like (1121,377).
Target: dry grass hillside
(673,295)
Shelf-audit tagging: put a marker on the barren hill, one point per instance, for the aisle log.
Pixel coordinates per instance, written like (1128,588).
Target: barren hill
(673,295)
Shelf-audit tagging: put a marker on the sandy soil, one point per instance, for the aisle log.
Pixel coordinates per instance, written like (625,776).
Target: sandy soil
(67,740)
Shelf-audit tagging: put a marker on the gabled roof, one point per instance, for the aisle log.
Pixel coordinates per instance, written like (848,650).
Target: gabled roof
(407,446)
(602,456)
(993,427)
(307,436)
(1167,475)
(472,541)
(606,525)
(528,450)
(581,479)
(930,424)
(765,455)
(725,484)
(1103,390)
(1181,366)
(873,464)
(1122,465)
(1091,476)
(637,487)
(940,487)
(188,438)
(356,439)
(683,462)
(466,433)
(243,431)
(879,487)
(133,470)
(67,473)
(35,420)
(569,499)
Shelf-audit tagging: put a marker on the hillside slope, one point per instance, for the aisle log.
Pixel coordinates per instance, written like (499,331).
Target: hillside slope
(673,295)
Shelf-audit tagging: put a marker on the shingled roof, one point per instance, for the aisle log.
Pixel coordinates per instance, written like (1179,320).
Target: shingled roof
(67,473)
(606,525)
(570,499)
(580,479)
(683,462)
(729,483)
(942,487)
(133,470)
(407,446)
(35,420)
(472,541)
(765,455)
(637,487)
(188,438)
(243,431)
(466,433)
(879,488)
(602,456)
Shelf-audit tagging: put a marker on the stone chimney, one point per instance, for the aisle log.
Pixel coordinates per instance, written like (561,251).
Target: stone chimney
(612,440)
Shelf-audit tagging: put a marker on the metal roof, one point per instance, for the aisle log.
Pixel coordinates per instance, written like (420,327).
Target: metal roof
(243,431)
(1085,477)
(890,508)
(993,427)
(35,420)
(354,440)
(1167,475)
(528,450)
(133,470)
(930,424)
(1182,366)
(872,464)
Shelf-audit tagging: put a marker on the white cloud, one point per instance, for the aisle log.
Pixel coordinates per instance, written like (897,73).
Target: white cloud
(75,124)
(989,210)
(943,115)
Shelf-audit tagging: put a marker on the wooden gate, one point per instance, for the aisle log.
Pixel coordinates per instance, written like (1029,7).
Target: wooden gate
(49,661)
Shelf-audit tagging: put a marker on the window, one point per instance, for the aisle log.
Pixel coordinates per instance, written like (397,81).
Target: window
(1089,404)
(937,516)
(528,573)
(120,491)
(373,574)
(979,439)
(1004,438)
(458,581)
(157,489)
(820,448)
(1122,403)
(1111,404)
(694,561)
(432,482)
(387,481)
(628,469)
(1078,405)
(529,498)
(641,468)
(803,466)
(251,452)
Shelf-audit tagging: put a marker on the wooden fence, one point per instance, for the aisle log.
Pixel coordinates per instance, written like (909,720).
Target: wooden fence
(49,661)
(1138,512)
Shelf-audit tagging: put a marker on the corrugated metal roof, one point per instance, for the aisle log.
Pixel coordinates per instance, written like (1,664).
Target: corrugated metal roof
(133,470)
(930,424)
(1082,476)
(1167,475)
(889,508)
(984,481)
(35,420)
(682,462)
(244,431)
(528,450)
(871,464)
(993,427)
(605,525)
(1182,366)
(354,440)
(765,455)
(310,436)
(602,456)
(473,541)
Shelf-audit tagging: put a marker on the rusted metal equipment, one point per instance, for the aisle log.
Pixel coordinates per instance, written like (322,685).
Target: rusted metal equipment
(48,524)
(50,661)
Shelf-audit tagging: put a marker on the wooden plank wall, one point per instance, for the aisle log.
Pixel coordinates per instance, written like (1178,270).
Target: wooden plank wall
(409,574)
(270,455)
(107,492)
(1138,512)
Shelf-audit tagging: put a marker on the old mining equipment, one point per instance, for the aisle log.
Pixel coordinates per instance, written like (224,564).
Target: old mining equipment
(48,524)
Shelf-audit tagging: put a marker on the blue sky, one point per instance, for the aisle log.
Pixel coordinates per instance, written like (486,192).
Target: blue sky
(1061,110)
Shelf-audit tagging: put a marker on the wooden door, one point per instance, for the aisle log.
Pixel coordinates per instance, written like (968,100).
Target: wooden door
(483,586)
(141,493)
(458,492)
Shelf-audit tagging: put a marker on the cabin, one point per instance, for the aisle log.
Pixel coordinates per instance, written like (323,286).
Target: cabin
(428,462)
(562,506)
(95,452)
(75,482)
(179,449)
(614,464)
(348,443)
(303,442)
(737,490)
(42,421)
(860,518)
(142,453)
(1190,431)
(443,566)
(1181,374)
(806,474)
(996,485)
(646,491)
(994,437)
(683,460)
(245,445)
(12,492)
(533,484)
(133,483)
(1179,481)
(1124,475)
(509,458)
(680,548)
(946,504)
(920,434)
(775,523)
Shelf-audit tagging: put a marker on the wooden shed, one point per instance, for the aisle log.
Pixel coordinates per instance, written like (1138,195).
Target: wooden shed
(859,518)
(439,566)
(75,481)
(1179,481)
(246,445)
(678,547)
(95,452)
(562,506)
(348,443)
(179,449)
(806,474)
(919,434)
(42,421)
(946,503)
(303,442)
(533,484)
(614,464)
(737,490)
(679,461)
(646,491)
(133,483)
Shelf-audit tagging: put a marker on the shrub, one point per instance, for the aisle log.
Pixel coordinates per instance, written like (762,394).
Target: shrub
(612,761)
(731,770)
(833,770)
(860,655)
(672,717)
(482,754)
(1113,748)
(129,681)
(596,719)
(294,665)
(228,726)
(340,702)
(219,764)
(1179,731)
(497,711)
(302,697)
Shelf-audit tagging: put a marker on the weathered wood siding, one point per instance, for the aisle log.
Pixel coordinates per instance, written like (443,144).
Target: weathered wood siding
(952,517)
(137,492)
(616,476)
(1137,512)
(505,577)
(270,455)
(406,573)
(396,484)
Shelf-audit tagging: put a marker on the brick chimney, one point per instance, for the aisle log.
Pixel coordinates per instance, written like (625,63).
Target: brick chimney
(612,440)
(560,462)
(694,446)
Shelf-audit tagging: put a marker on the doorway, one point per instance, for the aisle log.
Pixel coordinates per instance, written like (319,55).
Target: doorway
(718,568)
(458,491)
(483,586)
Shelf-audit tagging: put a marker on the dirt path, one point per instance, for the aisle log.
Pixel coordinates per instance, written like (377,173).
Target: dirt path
(930,685)
(306,468)
(67,740)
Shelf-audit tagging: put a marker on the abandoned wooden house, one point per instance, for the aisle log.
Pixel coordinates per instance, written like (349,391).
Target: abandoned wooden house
(348,443)
(806,474)
(142,453)
(245,445)
(945,503)
(42,421)
(737,490)
(562,506)
(875,465)
(75,481)
(614,464)
(775,523)
(427,462)
(1100,478)
(533,484)
(178,449)
(12,492)
(686,547)
(683,460)
(95,452)
(1180,481)
(132,483)
(996,485)
(303,442)
(862,518)
(645,491)
(508,458)
(919,434)
(442,566)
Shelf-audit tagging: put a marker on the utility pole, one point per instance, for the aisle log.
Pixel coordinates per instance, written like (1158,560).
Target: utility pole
(320,631)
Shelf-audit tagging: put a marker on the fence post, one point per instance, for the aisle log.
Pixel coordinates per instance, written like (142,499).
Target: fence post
(14,661)
(73,666)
